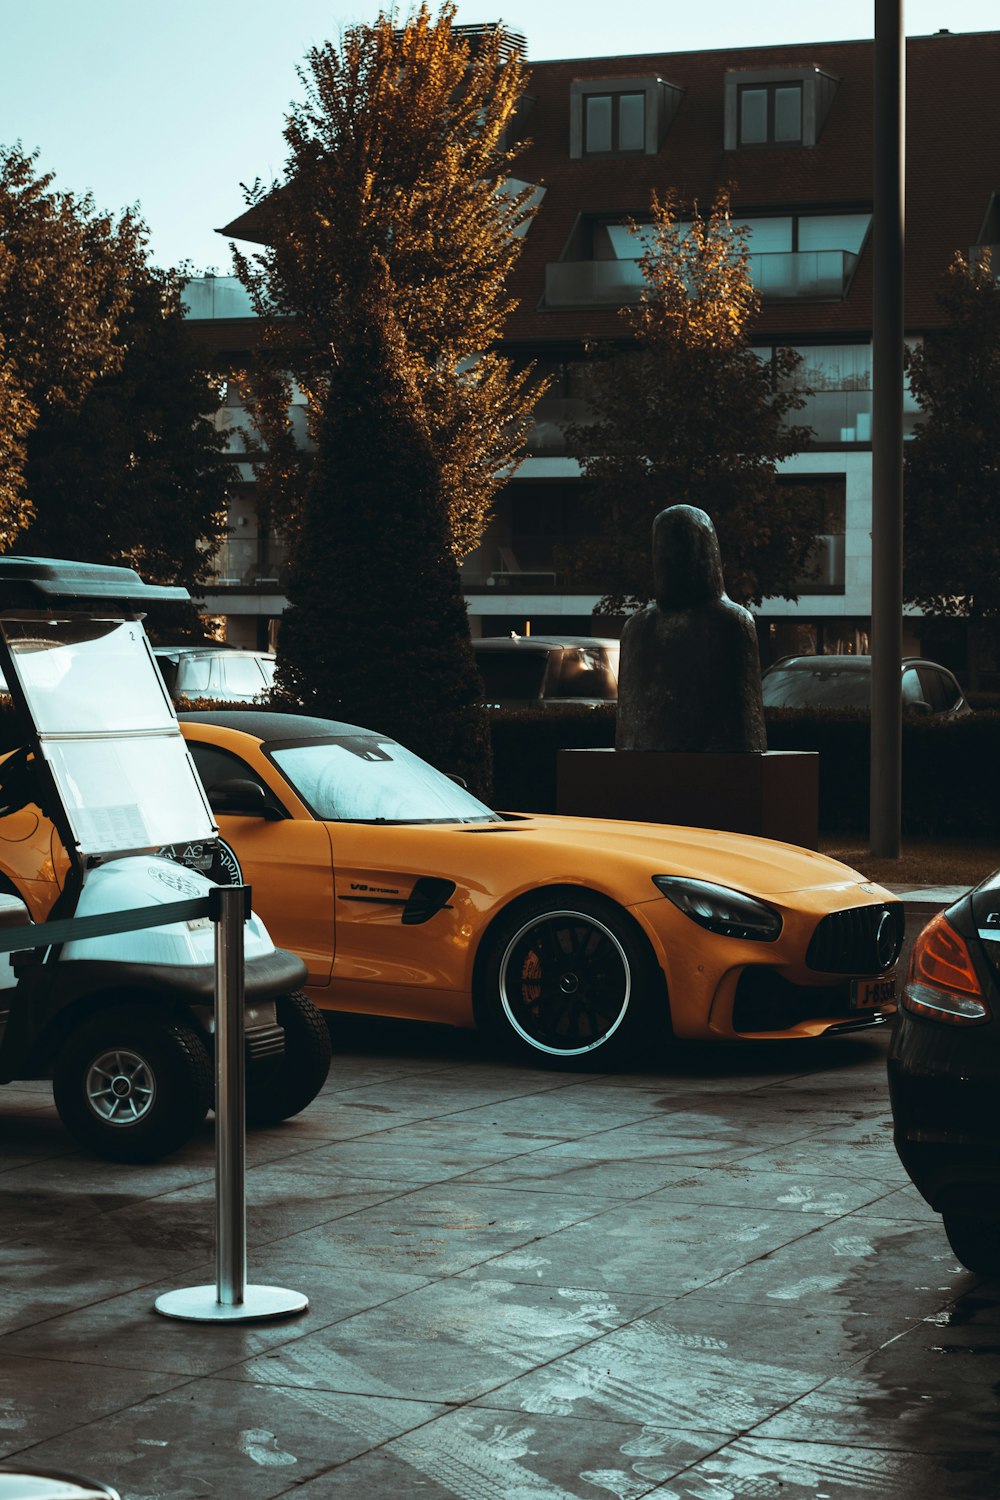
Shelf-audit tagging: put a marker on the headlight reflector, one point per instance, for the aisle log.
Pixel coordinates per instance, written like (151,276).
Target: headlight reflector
(719,909)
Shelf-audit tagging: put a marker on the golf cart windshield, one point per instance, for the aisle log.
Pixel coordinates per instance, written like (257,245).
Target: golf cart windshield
(107,731)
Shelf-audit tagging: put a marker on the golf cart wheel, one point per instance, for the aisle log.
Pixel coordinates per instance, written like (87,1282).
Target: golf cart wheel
(132,1085)
(280,1087)
(565,979)
(976,1242)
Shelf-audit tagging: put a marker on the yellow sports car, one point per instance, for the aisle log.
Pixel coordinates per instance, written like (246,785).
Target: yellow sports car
(563,937)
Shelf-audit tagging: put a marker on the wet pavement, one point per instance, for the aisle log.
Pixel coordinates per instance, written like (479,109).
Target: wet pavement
(703,1281)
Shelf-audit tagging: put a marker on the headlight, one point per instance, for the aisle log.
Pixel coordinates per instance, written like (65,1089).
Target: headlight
(729,913)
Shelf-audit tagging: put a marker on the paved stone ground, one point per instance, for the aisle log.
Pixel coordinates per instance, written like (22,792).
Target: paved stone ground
(703,1281)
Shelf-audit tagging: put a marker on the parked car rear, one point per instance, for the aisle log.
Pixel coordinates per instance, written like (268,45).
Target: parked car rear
(539,671)
(838,682)
(223,673)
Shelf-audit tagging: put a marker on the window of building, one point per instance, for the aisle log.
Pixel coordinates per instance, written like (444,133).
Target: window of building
(621,115)
(776,106)
(822,501)
(614,122)
(770,114)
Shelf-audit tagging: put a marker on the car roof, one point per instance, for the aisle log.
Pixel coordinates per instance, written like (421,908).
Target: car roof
(541,642)
(267,725)
(211,650)
(831,663)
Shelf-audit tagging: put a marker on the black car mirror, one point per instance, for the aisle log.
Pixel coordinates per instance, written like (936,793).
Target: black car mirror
(242,797)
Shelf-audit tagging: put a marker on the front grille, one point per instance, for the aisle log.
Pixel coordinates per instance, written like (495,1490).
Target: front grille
(766,1001)
(857,941)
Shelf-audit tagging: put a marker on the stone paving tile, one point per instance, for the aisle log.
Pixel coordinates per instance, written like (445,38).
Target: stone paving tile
(441,1230)
(829,1471)
(659,1249)
(125,1331)
(40,1399)
(693,1362)
(496,1456)
(451,1341)
(43,1280)
(222,1441)
(862,1263)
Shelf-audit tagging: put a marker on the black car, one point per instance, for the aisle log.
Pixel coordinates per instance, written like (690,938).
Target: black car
(544,671)
(944,1073)
(838,682)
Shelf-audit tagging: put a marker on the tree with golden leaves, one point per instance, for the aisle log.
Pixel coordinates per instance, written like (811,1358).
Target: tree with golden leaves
(384,288)
(685,412)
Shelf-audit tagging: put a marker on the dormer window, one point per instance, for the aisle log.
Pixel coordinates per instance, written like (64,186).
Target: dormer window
(770,114)
(776,106)
(620,116)
(614,122)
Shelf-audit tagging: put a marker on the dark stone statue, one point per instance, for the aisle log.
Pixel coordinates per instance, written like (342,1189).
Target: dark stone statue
(690,667)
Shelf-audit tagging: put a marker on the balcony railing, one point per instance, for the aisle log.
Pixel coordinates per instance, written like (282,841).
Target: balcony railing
(216,297)
(795,275)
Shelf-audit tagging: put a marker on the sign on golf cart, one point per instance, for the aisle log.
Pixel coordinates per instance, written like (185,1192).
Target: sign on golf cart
(125,1022)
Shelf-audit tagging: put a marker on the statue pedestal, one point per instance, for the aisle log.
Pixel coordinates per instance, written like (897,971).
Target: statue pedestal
(774,794)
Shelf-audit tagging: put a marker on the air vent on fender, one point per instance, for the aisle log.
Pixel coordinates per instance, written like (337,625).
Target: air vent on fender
(427,898)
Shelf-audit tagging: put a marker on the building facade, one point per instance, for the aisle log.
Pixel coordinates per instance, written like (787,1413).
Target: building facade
(789,130)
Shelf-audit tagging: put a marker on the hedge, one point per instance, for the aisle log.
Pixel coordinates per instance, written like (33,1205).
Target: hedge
(951,768)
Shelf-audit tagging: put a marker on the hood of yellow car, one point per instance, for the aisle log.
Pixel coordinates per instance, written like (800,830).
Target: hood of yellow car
(759,866)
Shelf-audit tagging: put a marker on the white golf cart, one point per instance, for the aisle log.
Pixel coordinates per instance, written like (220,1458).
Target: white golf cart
(124,1023)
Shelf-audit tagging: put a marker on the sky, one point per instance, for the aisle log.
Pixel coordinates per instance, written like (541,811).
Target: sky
(172,105)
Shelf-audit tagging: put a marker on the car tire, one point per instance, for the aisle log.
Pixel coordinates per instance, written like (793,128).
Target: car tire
(133,1085)
(566,980)
(976,1242)
(280,1087)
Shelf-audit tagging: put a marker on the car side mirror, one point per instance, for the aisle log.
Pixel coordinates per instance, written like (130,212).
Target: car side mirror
(241,796)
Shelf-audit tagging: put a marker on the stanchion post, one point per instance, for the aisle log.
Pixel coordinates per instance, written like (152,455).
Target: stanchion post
(230,1300)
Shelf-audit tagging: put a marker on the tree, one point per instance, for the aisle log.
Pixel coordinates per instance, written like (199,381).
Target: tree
(952,463)
(105,452)
(389,244)
(687,413)
(137,473)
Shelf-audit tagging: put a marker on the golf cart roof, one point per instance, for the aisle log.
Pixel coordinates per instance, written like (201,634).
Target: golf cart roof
(47,583)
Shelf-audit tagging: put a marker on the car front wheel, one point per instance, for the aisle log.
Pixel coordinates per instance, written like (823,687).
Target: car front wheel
(976,1242)
(565,978)
(132,1085)
(282,1086)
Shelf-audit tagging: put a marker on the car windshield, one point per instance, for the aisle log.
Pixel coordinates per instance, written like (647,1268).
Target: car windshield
(800,687)
(367,779)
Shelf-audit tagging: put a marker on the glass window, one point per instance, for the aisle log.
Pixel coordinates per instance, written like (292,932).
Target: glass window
(586,672)
(834,367)
(512,674)
(65,667)
(631,122)
(833,231)
(598,122)
(243,676)
(769,236)
(193,676)
(370,780)
(753,117)
(788,113)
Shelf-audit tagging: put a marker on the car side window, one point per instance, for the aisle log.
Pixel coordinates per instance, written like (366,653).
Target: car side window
(193,677)
(214,766)
(939,692)
(913,688)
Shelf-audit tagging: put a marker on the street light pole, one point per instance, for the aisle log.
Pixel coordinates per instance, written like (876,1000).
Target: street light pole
(887,432)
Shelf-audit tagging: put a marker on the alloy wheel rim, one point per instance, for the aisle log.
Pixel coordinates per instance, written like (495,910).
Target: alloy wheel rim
(565,983)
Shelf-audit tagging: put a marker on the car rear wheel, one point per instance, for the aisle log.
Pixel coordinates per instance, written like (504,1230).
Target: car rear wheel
(282,1086)
(132,1085)
(565,979)
(976,1242)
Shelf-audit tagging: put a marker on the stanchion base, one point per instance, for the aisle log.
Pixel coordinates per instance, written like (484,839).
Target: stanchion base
(200,1304)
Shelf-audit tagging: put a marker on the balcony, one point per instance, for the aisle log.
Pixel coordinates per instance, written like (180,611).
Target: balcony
(779,276)
(216,297)
(802,275)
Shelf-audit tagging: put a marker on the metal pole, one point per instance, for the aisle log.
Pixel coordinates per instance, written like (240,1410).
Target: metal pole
(230,1100)
(230,1300)
(887,432)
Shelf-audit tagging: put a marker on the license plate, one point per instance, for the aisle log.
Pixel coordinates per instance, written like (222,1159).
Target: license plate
(872,994)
